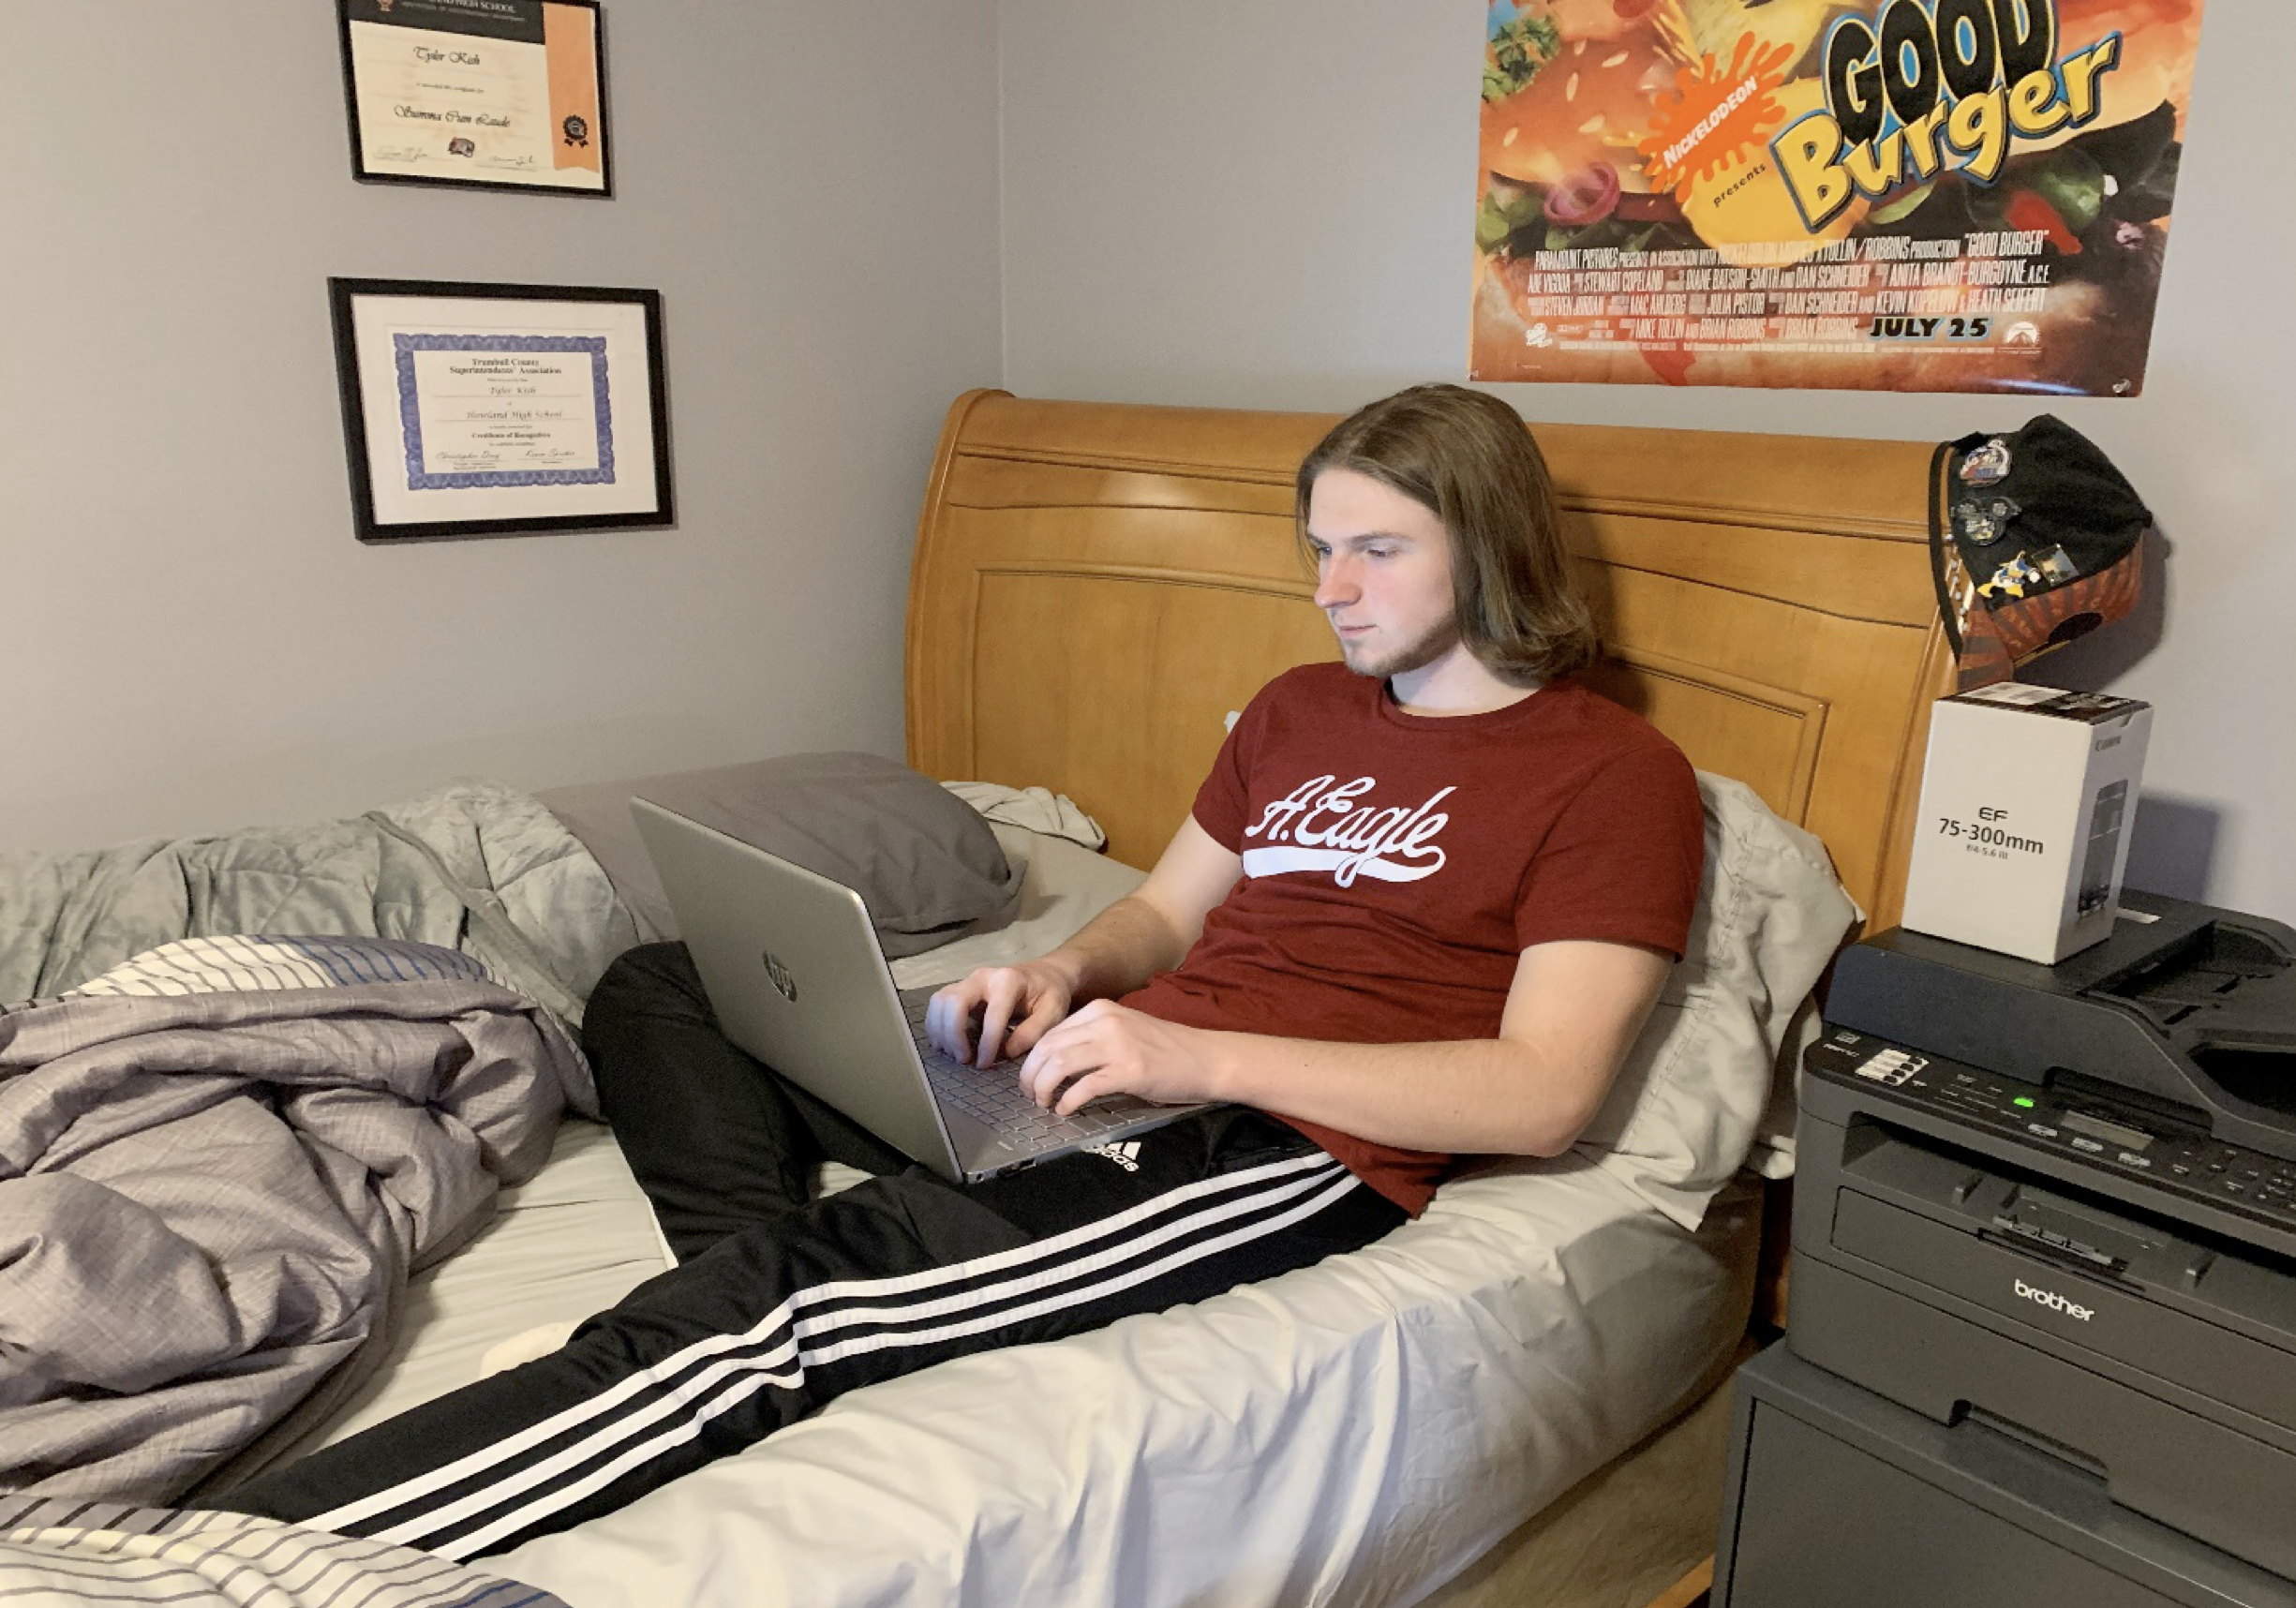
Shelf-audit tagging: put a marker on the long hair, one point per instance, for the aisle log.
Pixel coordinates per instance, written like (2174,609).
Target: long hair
(1466,456)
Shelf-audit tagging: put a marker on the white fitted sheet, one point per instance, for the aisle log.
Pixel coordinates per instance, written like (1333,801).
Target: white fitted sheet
(571,1241)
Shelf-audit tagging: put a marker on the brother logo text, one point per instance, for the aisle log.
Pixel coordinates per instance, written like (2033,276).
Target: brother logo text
(2054,1302)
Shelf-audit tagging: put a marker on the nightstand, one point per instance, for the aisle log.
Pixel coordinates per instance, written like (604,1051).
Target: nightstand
(1835,1495)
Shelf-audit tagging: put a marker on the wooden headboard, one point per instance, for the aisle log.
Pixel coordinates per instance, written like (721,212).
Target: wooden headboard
(1096,586)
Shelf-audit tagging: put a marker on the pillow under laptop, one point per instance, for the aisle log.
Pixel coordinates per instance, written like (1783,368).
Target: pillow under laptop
(923,860)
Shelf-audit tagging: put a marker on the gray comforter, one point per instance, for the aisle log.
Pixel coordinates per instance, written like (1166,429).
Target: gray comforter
(211,1190)
(476,867)
(216,1174)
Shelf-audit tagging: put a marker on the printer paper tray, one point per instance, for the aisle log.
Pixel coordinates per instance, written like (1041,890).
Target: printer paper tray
(2229,1489)
(2073,1308)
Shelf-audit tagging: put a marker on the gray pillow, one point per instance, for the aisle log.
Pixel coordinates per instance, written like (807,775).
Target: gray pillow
(922,860)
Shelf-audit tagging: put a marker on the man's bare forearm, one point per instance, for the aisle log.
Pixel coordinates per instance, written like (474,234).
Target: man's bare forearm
(1572,1015)
(1482,1096)
(1119,950)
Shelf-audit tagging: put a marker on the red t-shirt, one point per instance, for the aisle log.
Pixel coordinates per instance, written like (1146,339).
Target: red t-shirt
(1396,866)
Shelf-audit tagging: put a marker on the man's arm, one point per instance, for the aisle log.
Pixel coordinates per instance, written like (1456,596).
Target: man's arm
(1573,1012)
(1146,932)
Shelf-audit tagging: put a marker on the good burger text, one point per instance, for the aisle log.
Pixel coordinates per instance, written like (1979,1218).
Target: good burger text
(1933,88)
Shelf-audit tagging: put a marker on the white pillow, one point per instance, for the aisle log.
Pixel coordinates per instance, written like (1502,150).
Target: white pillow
(1713,1070)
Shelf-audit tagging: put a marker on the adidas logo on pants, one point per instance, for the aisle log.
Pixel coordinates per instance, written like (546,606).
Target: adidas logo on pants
(1124,1152)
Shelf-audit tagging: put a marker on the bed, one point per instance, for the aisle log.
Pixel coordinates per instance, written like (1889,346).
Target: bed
(1511,1399)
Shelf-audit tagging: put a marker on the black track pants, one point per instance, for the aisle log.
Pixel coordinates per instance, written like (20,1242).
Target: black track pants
(783,1303)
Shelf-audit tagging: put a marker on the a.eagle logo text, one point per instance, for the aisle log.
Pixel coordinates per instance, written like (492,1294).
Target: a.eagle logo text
(1335,829)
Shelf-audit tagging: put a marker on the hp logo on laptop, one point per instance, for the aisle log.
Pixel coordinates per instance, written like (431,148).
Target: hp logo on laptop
(783,982)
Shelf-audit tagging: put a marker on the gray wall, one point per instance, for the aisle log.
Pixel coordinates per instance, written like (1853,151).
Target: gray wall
(1202,201)
(1269,205)
(190,638)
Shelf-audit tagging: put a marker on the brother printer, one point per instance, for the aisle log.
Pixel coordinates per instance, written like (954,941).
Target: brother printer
(2058,1202)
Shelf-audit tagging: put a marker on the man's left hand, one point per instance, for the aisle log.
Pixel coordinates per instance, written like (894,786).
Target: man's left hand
(1105,1049)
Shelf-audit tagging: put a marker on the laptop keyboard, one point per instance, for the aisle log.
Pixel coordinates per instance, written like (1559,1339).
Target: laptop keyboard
(994,1096)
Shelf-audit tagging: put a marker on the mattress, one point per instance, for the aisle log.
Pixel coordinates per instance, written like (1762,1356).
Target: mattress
(1379,1421)
(1354,1433)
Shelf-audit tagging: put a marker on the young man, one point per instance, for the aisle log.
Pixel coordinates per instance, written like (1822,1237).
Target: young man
(1422,906)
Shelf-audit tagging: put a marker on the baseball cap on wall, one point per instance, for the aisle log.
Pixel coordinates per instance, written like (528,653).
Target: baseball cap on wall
(2034,539)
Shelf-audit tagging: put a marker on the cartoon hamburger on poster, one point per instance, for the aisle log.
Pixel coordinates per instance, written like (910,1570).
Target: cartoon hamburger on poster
(1905,195)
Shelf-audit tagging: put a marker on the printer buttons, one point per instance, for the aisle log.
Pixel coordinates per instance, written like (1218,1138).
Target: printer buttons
(1891,1067)
(2088,1144)
(2130,1158)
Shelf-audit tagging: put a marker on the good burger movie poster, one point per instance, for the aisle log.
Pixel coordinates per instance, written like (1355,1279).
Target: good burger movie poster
(1898,195)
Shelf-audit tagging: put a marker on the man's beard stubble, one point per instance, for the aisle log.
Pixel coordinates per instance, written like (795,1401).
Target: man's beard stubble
(1414,655)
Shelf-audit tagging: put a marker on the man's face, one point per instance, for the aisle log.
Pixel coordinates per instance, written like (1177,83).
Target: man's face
(1382,575)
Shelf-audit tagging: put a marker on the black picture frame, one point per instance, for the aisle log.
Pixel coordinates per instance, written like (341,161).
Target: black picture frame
(507,22)
(612,470)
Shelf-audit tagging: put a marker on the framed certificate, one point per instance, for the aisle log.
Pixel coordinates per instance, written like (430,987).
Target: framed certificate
(492,93)
(500,409)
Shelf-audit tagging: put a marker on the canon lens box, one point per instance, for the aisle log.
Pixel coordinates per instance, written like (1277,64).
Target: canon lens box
(2025,808)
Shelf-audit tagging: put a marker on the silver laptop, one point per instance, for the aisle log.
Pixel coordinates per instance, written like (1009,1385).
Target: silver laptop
(792,967)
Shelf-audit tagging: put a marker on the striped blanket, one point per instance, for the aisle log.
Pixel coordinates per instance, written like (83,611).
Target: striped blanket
(219,1161)
(70,1551)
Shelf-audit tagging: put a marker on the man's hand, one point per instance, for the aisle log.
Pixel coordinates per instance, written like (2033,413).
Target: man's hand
(1105,1049)
(1118,950)
(1017,1004)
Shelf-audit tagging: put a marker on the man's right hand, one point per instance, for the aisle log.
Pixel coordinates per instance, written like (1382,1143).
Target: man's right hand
(1146,932)
(1017,1005)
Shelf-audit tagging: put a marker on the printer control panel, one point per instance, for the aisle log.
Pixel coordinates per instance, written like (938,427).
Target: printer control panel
(2178,1161)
